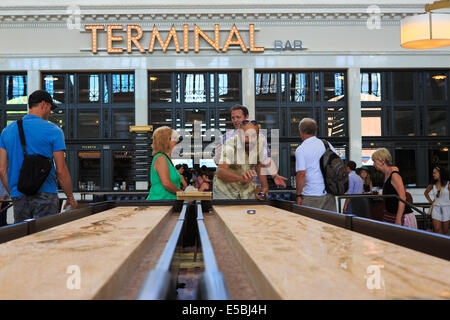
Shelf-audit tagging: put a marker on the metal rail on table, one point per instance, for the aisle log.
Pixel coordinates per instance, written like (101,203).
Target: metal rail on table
(160,283)
(212,283)
(363,196)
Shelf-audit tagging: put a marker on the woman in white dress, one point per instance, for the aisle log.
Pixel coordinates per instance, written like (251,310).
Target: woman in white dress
(440,213)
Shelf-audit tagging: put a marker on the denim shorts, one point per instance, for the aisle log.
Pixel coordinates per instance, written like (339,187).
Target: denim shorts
(40,205)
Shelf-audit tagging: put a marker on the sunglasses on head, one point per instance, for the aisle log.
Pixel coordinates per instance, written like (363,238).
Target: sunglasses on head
(253,122)
(179,139)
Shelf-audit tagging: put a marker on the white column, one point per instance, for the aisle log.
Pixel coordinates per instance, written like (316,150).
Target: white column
(141,97)
(354,115)
(141,108)
(33,81)
(248,91)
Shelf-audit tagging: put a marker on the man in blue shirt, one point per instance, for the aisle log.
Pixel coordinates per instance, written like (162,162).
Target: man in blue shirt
(355,185)
(42,137)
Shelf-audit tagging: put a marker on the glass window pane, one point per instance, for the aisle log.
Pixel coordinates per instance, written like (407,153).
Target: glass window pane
(71,125)
(211,87)
(404,121)
(122,120)
(192,116)
(12,116)
(105,89)
(403,85)
(58,117)
(71,88)
(106,124)
(370,86)
(194,88)
(123,87)
(160,118)
(333,83)
(335,122)
(296,116)
(435,86)
(225,122)
(405,160)
(371,122)
(122,170)
(266,86)
(88,88)
(55,85)
(89,170)
(161,87)
(437,158)
(88,124)
(437,122)
(267,118)
(16,89)
(229,87)
(299,87)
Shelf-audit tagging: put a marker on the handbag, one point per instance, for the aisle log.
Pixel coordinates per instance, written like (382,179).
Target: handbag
(35,168)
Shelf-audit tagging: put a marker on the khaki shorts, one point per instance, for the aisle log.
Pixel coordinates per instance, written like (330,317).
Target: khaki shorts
(325,202)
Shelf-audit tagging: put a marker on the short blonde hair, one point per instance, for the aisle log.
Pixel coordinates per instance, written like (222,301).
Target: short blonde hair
(161,140)
(383,154)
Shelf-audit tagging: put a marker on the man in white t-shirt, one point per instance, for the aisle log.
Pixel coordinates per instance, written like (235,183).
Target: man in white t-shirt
(310,184)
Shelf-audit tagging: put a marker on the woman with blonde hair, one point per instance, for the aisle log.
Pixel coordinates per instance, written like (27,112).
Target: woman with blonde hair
(396,211)
(164,177)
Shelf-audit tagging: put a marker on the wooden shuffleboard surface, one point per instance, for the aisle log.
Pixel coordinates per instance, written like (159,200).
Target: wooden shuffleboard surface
(89,258)
(288,256)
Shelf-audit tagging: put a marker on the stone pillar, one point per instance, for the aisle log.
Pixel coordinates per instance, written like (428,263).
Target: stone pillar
(354,115)
(33,81)
(141,108)
(248,91)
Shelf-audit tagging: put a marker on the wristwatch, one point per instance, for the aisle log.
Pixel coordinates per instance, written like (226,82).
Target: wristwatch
(298,196)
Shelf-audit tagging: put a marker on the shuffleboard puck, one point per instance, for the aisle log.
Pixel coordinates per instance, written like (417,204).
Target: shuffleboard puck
(251,211)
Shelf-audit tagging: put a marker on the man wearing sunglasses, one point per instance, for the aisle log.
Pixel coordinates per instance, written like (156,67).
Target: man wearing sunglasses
(239,168)
(239,115)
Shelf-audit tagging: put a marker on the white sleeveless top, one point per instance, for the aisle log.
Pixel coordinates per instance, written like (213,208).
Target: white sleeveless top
(443,199)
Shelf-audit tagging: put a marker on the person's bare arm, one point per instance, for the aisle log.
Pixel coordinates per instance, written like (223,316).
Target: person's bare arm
(264,183)
(4,169)
(162,169)
(300,184)
(183,182)
(427,191)
(63,176)
(397,183)
(223,173)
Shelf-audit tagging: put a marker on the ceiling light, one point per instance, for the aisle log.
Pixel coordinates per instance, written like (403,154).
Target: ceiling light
(427,31)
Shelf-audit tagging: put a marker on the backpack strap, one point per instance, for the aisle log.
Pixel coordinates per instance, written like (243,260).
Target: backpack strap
(22,136)
(325,143)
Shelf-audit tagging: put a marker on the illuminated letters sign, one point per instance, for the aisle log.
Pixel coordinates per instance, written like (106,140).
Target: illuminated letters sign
(134,33)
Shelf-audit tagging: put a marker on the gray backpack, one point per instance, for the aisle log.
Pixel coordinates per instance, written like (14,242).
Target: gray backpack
(334,172)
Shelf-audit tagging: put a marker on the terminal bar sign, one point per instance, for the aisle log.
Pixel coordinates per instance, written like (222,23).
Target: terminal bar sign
(134,34)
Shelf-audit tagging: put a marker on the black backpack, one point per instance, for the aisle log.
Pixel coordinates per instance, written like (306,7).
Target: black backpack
(35,168)
(334,172)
